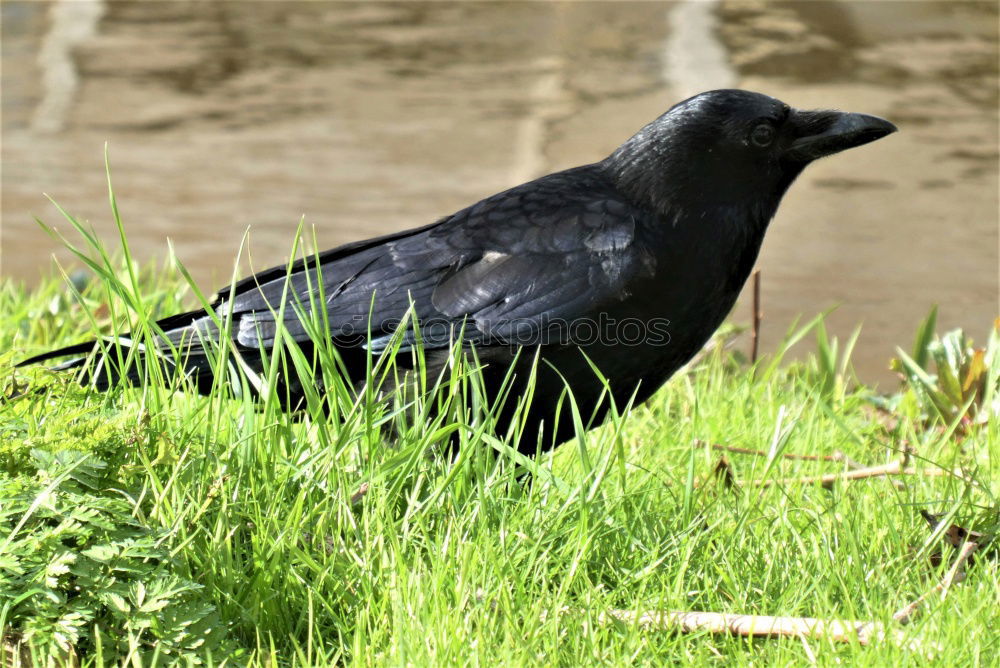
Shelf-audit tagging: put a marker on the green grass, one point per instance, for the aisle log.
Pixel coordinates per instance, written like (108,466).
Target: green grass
(463,560)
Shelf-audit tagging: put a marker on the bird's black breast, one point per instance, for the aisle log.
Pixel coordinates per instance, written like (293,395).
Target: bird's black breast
(701,260)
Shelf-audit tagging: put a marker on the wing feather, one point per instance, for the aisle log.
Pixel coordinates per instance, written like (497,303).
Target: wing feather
(557,249)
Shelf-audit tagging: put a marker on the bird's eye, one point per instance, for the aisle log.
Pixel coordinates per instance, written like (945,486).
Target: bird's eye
(762,135)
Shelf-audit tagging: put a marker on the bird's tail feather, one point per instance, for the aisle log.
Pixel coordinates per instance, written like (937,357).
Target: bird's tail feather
(79,349)
(106,362)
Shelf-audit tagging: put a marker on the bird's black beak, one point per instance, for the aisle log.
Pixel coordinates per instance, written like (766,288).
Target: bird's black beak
(822,133)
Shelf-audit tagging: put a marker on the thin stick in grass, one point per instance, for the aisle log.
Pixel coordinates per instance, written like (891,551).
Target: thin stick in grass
(750,625)
(905,614)
(894,468)
(857,472)
(759,626)
(755,330)
(837,456)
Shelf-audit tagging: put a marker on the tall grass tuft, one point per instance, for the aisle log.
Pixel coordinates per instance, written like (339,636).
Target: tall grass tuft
(352,533)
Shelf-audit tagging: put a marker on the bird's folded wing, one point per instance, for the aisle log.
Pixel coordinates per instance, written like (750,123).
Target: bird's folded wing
(514,268)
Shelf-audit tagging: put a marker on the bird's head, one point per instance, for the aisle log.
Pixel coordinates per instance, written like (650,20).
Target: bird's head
(732,147)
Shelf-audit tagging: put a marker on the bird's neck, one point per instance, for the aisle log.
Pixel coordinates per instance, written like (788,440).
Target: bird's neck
(637,171)
(716,245)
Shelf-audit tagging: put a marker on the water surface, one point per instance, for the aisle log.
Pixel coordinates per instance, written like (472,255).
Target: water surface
(370,117)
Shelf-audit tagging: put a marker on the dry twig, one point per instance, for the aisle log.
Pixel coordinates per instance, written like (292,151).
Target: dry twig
(759,625)
(751,625)
(856,472)
(755,329)
(893,468)
(837,456)
(904,614)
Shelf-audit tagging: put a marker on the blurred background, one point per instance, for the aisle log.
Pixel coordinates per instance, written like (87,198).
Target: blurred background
(367,118)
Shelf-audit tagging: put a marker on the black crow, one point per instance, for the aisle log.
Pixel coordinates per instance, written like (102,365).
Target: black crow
(628,264)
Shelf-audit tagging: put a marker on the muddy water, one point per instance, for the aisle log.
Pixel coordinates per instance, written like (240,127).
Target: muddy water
(367,118)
